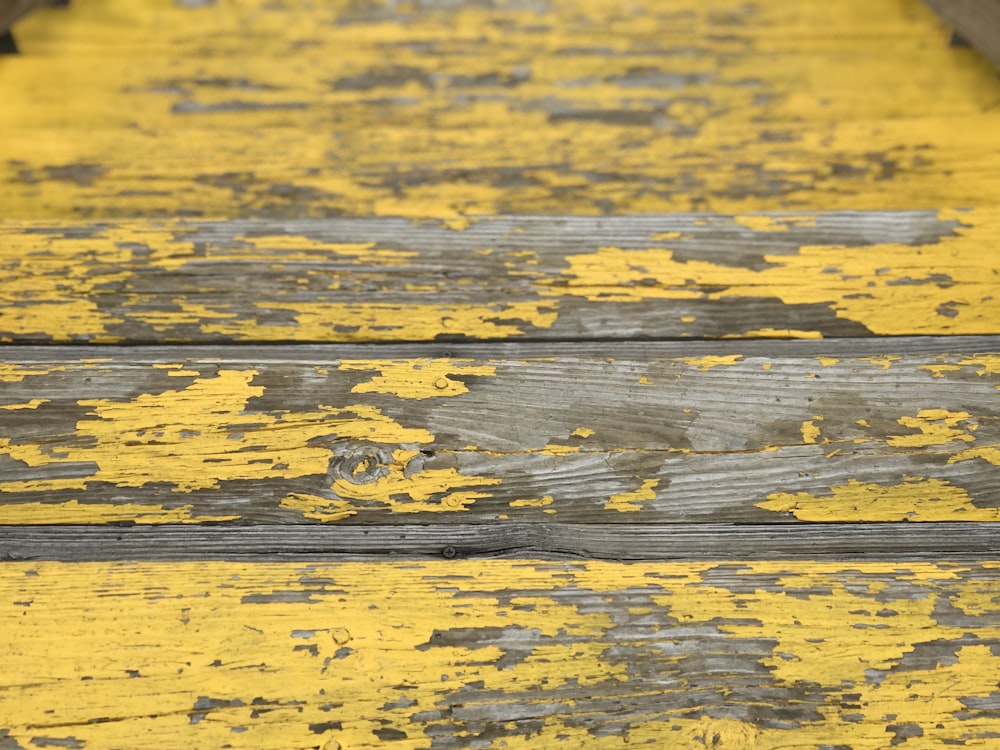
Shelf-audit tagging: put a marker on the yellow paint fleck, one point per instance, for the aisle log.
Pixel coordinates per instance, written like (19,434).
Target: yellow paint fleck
(810,430)
(33,404)
(938,371)
(766,366)
(584,432)
(318,508)
(988,364)
(936,427)
(14,373)
(688,318)
(629,502)
(862,422)
(989,453)
(460,223)
(916,499)
(529,503)
(760,223)
(661,236)
(827,361)
(710,361)
(555,449)
(882,362)
(644,380)
(775,333)
(416,378)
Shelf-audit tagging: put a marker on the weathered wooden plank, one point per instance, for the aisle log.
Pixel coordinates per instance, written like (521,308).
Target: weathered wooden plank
(977,21)
(443,109)
(513,654)
(645,542)
(656,276)
(726,437)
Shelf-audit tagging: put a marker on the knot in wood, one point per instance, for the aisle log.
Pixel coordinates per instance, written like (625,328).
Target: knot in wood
(360,464)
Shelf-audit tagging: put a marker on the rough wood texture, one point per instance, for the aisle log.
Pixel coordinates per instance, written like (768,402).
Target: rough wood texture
(455,654)
(885,542)
(774,275)
(734,437)
(977,21)
(439,109)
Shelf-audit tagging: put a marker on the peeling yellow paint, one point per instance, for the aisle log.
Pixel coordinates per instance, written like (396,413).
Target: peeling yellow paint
(584,432)
(555,449)
(936,426)
(416,378)
(873,284)
(33,404)
(710,361)
(328,655)
(628,502)
(760,223)
(989,453)
(810,430)
(15,373)
(827,361)
(318,508)
(200,436)
(916,499)
(532,503)
(883,362)
(75,512)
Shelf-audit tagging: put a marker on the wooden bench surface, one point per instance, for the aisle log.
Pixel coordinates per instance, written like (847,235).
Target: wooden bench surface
(498,374)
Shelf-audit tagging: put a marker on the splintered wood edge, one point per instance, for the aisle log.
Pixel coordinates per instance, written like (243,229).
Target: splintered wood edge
(620,541)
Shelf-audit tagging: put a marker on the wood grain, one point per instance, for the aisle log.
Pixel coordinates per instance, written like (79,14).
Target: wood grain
(640,542)
(749,437)
(453,654)
(626,277)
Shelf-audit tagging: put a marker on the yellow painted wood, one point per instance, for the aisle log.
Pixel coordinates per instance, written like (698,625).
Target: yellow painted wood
(505,654)
(566,107)
(147,279)
(909,438)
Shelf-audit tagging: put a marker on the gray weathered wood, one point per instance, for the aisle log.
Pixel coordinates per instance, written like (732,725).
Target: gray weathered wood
(893,542)
(978,22)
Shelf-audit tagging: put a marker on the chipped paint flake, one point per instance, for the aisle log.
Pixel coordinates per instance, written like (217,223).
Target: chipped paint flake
(916,499)
(417,378)
(710,361)
(629,502)
(936,427)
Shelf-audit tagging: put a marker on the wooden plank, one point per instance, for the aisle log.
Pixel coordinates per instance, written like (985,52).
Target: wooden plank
(744,437)
(977,21)
(537,540)
(450,109)
(644,276)
(454,654)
